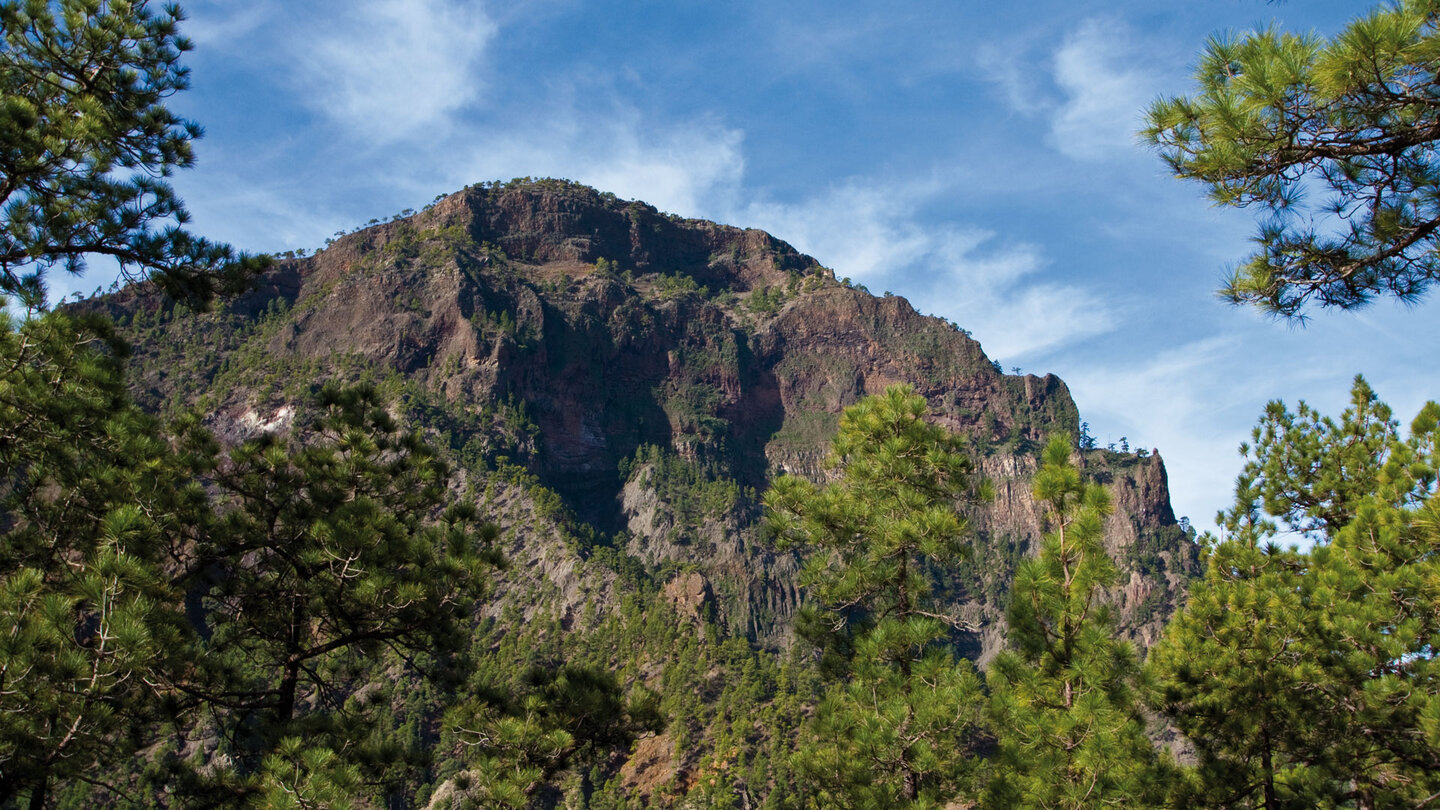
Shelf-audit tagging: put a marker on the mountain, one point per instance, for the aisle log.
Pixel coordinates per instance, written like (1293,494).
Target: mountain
(617,386)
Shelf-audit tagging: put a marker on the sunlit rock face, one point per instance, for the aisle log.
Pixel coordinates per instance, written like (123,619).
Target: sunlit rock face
(652,374)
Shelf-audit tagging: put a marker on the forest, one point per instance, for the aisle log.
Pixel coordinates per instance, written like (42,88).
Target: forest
(327,615)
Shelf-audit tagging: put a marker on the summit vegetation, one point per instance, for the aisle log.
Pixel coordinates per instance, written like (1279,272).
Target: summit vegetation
(539,498)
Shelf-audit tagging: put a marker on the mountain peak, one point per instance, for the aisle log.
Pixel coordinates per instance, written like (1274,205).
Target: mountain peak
(560,223)
(653,373)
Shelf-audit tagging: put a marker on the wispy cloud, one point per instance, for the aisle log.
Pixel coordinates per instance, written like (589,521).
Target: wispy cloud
(1091,88)
(1107,78)
(387,70)
(689,170)
(687,167)
(996,289)
(219,24)
(864,230)
(1010,66)
(1189,413)
(272,216)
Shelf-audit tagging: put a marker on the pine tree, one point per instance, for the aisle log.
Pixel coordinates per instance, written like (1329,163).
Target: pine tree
(94,507)
(1352,119)
(1063,703)
(88,143)
(297,776)
(901,728)
(324,554)
(556,717)
(1308,678)
(1233,679)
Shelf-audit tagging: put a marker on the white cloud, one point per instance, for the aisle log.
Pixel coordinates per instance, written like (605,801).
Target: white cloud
(1092,90)
(687,168)
(215,24)
(1182,402)
(259,216)
(1107,79)
(992,291)
(996,290)
(862,230)
(1008,65)
(392,69)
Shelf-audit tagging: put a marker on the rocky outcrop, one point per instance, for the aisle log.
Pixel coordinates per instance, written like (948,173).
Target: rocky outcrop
(651,374)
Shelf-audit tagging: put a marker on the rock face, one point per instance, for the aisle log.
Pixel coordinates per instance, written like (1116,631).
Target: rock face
(648,374)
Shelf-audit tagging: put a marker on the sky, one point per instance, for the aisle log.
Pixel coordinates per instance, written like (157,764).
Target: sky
(978,158)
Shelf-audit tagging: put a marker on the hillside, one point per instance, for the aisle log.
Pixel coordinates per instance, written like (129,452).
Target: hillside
(617,386)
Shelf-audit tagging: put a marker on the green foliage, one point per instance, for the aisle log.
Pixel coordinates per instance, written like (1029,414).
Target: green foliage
(1231,676)
(805,429)
(559,717)
(1314,474)
(297,776)
(986,572)
(607,269)
(327,532)
(1278,115)
(766,300)
(875,744)
(93,505)
(693,407)
(679,285)
(214,351)
(1063,701)
(730,710)
(693,399)
(88,143)
(697,493)
(901,729)
(1308,678)
(327,550)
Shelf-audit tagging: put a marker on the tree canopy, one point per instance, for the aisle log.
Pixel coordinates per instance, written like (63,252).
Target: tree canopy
(86,145)
(1352,120)
(92,505)
(322,553)
(1309,678)
(1063,701)
(899,730)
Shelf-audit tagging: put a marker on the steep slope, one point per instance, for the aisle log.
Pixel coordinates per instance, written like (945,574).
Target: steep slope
(653,372)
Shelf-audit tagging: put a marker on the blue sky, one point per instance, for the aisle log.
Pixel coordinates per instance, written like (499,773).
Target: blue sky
(977,158)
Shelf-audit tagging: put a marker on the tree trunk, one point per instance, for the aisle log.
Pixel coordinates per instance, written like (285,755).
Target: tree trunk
(1268,765)
(290,680)
(40,794)
(908,787)
(285,709)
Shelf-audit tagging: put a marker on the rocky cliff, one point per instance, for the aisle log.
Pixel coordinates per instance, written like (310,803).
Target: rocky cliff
(619,383)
